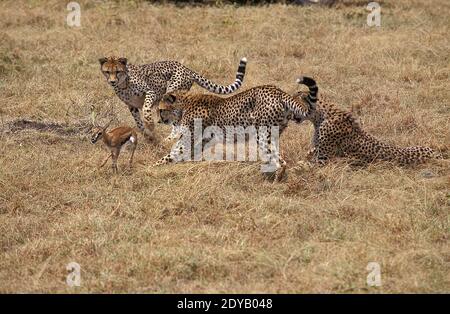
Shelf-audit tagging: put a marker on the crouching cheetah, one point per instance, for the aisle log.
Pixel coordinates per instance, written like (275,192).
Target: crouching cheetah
(142,86)
(338,134)
(265,109)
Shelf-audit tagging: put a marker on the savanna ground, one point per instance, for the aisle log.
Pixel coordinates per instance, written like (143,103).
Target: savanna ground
(222,227)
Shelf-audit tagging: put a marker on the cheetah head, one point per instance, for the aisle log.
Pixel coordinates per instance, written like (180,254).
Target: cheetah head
(168,111)
(114,69)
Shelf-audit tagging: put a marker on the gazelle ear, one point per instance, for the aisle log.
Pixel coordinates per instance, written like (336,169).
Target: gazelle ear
(93,115)
(107,125)
(123,61)
(169,98)
(102,60)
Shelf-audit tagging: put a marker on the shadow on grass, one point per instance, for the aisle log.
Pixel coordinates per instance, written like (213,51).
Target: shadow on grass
(64,129)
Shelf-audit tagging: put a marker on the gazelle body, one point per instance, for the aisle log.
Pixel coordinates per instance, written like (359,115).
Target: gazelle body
(114,140)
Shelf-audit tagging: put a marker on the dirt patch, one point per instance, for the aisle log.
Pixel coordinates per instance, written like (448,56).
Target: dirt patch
(64,129)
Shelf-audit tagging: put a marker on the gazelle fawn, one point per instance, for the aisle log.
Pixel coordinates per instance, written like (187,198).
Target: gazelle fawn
(114,140)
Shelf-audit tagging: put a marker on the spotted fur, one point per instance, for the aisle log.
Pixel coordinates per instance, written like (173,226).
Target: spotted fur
(266,106)
(142,86)
(338,134)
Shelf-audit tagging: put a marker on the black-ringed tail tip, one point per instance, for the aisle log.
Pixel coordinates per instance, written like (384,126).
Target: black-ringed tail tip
(308,81)
(313,89)
(223,89)
(241,69)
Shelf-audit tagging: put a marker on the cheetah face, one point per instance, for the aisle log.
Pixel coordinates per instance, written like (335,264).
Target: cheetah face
(96,133)
(114,69)
(167,116)
(167,113)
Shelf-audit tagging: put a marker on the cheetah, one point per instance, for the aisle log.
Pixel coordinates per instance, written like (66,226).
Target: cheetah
(142,86)
(266,108)
(338,134)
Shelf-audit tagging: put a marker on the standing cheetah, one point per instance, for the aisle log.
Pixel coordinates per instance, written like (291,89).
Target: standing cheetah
(142,86)
(338,134)
(266,108)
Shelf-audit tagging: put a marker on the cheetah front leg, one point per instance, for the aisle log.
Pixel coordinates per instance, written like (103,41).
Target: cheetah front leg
(270,155)
(178,153)
(279,162)
(325,147)
(174,134)
(311,154)
(148,132)
(149,102)
(137,118)
(282,167)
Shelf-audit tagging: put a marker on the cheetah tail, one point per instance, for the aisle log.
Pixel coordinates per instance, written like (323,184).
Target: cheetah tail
(221,89)
(417,154)
(313,89)
(380,150)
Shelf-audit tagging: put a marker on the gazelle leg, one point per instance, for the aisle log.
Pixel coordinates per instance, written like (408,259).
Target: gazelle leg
(105,160)
(133,148)
(115,156)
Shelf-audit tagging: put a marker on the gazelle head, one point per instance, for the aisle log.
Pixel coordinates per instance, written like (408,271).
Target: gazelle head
(97,132)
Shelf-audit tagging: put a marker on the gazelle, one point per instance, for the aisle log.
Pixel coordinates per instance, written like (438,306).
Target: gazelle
(114,140)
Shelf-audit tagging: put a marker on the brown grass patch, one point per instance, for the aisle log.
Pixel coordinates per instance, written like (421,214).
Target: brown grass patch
(221,227)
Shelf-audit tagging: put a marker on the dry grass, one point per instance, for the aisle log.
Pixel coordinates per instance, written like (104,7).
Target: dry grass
(221,227)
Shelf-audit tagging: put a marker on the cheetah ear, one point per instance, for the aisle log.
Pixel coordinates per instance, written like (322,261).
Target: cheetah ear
(102,60)
(169,98)
(123,61)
